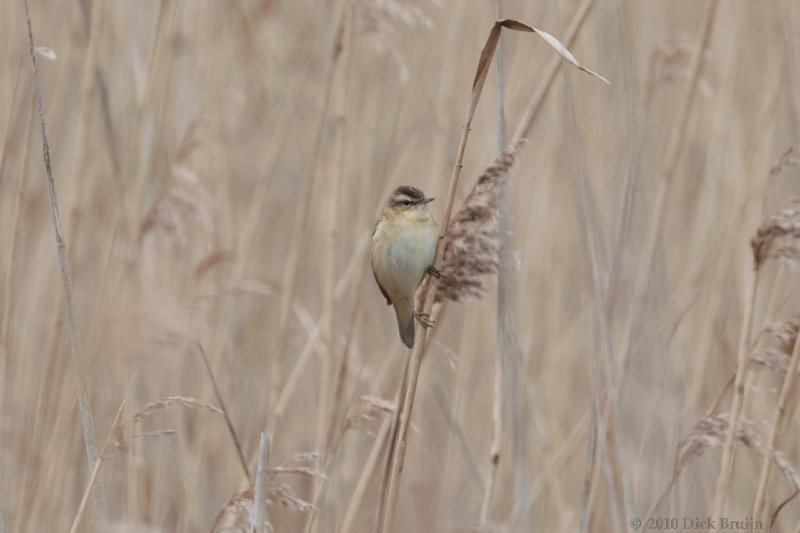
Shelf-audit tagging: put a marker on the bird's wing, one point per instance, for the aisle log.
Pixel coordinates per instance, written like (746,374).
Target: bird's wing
(377,223)
(383,291)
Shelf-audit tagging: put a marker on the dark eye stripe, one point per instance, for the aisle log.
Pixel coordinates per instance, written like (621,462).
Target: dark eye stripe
(403,200)
(411,192)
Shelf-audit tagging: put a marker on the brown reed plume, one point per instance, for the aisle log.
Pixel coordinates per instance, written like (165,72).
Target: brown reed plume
(778,236)
(791,356)
(711,432)
(473,240)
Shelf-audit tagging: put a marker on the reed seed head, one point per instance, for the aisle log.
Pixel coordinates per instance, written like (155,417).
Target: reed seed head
(473,240)
(778,236)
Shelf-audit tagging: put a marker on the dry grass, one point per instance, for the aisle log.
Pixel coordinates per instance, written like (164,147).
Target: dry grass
(219,166)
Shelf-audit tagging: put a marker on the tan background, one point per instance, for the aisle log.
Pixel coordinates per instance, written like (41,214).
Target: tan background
(212,102)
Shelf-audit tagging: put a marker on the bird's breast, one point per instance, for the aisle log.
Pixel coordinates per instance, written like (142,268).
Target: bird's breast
(402,251)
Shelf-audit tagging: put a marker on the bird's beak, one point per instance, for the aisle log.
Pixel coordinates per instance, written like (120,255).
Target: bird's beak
(428,200)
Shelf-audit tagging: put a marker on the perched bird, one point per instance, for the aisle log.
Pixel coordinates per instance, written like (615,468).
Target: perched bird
(403,250)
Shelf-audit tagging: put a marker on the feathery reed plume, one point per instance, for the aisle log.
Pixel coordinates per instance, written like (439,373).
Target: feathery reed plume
(369,408)
(778,236)
(120,438)
(711,432)
(169,401)
(777,421)
(473,241)
(239,508)
(771,359)
(185,207)
(780,337)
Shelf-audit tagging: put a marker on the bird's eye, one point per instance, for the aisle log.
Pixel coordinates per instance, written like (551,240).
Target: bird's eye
(406,202)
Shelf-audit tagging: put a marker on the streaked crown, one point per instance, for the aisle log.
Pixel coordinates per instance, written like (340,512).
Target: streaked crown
(406,196)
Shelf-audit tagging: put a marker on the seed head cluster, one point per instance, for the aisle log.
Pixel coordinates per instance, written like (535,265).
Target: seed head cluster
(473,240)
(778,236)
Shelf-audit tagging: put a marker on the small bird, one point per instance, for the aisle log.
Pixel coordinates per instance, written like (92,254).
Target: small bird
(403,250)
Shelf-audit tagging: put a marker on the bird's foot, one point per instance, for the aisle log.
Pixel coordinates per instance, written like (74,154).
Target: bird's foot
(424,319)
(436,273)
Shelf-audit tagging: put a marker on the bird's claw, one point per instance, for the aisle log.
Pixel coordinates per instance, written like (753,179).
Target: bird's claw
(424,319)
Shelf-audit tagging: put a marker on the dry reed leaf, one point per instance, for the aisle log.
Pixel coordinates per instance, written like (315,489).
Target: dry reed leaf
(778,236)
(491,45)
(472,246)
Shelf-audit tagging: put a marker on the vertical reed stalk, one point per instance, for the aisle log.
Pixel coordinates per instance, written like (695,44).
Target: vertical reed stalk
(80,174)
(96,468)
(528,120)
(726,464)
(671,159)
(14,231)
(228,422)
(87,421)
(333,244)
(605,428)
(507,345)
(259,524)
(301,215)
(465,350)
(366,475)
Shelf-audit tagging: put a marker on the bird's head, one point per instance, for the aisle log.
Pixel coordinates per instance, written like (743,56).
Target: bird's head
(408,200)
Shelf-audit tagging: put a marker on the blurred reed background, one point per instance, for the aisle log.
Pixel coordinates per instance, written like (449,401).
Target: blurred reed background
(219,167)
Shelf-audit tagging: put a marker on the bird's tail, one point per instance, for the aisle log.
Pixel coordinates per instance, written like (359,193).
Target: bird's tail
(405,322)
